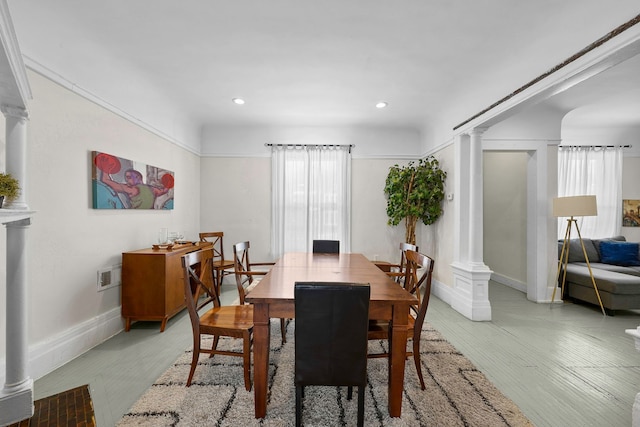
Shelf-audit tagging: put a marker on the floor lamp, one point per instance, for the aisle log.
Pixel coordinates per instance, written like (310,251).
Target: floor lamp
(571,207)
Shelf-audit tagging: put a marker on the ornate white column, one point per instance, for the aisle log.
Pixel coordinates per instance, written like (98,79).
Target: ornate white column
(16,151)
(476,226)
(16,398)
(471,276)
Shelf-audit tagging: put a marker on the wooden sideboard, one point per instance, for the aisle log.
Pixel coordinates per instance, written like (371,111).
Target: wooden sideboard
(152,283)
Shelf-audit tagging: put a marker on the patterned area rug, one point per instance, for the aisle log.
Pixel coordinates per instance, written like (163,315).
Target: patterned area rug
(457,393)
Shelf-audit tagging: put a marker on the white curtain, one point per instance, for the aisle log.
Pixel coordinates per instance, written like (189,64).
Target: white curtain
(311,197)
(592,170)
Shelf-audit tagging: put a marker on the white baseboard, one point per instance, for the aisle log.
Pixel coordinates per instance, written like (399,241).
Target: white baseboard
(442,291)
(508,281)
(48,355)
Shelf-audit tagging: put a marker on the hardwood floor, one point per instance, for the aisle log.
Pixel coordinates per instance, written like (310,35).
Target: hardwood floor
(564,365)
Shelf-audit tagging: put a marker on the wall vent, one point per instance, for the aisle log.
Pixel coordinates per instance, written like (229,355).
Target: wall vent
(109,277)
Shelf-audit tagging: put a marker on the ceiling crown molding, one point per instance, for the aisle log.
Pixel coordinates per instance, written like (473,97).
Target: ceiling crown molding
(11,62)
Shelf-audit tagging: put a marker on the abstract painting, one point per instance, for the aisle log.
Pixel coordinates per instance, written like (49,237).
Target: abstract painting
(124,184)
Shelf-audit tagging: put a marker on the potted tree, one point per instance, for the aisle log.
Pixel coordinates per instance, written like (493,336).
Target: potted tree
(9,188)
(415,192)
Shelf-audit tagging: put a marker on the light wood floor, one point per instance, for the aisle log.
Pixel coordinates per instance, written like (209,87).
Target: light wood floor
(564,365)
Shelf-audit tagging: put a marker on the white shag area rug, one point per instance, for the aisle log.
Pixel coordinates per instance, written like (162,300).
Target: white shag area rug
(457,393)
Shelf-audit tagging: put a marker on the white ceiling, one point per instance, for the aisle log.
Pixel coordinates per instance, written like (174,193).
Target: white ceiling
(327,62)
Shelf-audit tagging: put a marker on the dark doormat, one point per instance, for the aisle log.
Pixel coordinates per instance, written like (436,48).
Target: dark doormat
(69,408)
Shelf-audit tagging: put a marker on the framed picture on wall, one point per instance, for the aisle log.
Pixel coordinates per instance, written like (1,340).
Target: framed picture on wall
(120,183)
(631,213)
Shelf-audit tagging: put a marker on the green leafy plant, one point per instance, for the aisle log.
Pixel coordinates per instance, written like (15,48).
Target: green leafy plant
(9,187)
(415,192)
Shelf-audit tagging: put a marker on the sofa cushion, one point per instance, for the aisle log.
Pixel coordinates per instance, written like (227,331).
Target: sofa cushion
(575,250)
(596,242)
(632,270)
(619,253)
(607,281)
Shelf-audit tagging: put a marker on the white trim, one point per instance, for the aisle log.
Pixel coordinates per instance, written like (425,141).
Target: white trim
(57,78)
(14,56)
(615,50)
(510,282)
(50,354)
(441,291)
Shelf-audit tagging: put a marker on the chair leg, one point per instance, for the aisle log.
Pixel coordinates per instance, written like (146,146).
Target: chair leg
(246,360)
(299,396)
(283,330)
(214,346)
(349,392)
(194,359)
(217,278)
(416,359)
(361,405)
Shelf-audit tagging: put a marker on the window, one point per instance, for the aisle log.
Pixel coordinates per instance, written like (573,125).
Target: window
(311,196)
(592,170)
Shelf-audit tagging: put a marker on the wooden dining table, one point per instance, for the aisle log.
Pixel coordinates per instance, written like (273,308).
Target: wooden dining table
(273,297)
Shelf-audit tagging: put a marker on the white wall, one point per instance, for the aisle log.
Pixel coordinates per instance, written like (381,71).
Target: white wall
(236,199)
(631,190)
(69,241)
(522,146)
(369,142)
(236,182)
(505,215)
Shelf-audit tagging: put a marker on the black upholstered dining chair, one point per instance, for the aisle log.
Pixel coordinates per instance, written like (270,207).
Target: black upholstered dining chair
(326,246)
(331,338)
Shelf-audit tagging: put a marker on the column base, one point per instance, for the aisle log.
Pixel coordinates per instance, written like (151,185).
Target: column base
(470,296)
(16,403)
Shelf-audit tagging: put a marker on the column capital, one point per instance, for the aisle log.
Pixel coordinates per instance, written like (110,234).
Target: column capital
(15,112)
(477,131)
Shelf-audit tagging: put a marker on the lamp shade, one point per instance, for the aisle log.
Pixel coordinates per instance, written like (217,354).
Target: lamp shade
(575,206)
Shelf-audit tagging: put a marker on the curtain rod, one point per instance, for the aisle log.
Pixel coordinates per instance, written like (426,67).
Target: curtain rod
(311,145)
(595,146)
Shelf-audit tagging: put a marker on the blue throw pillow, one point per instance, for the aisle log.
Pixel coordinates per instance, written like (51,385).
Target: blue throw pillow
(619,253)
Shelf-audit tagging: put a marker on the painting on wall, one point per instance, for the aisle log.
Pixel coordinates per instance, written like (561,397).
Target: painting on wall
(631,213)
(124,184)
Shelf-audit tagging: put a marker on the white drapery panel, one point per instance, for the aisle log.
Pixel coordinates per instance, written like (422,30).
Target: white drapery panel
(311,197)
(592,170)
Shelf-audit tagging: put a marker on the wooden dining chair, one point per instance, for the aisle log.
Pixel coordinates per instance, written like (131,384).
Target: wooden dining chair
(221,266)
(331,338)
(235,321)
(326,246)
(379,329)
(396,271)
(247,277)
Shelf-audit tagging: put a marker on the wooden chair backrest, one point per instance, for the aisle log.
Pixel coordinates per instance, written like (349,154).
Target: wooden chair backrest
(413,284)
(403,259)
(198,281)
(242,267)
(215,237)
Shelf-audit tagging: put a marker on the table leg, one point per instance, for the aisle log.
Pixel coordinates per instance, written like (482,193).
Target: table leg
(261,339)
(397,357)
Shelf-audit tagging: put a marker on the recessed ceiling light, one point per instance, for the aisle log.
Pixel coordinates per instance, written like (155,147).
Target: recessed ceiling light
(238,101)
(381,104)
